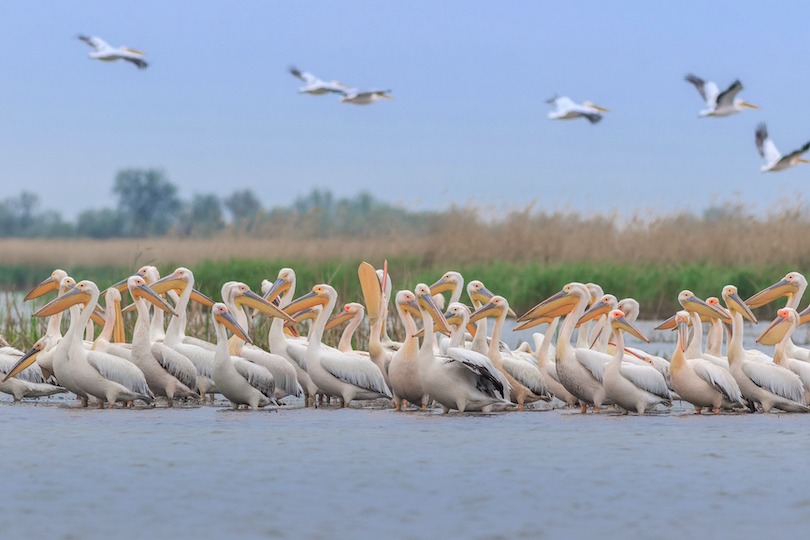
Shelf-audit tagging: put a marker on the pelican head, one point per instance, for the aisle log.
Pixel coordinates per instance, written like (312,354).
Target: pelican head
(682,319)
(49,284)
(560,304)
(789,285)
(449,282)
(428,304)
(406,303)
(284,281)
(496,307)
(224,317)
(458,315)
(599,308)
(243,296)
(320,295)
(734,303)
(693,304)
(630,307)
(787,319)
(349,311)
(619,323)
(177,280)
(480,295)
(81,293)
(138,288)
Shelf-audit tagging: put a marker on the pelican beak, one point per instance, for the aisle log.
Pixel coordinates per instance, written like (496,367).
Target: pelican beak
(696,305)
(561,303)
(428,304)
(45,287)
(280,286)
(482,295)
(118,328)
(292,331)
(200,298)
(453,319)
(121,286)
(598,108)
(668,324)
(487,310)
(683,333)
(736,304)
(341,318)
(129,308)
(301,316)
(802,160)
(251,299)
(372,291)
(98,316)
(310,299)
(804,316)
(441,286)
(149,294)
(411,307)
(472,329)
(598,309)
(230,323)
(622,324)
(531,323)
(775,332)
(25,361)
(72,297)
(386,96)
(172,281)
(777,290)
(749,105)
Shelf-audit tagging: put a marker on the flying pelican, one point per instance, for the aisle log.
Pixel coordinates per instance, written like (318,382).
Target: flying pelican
(628,385)
(240,381)
(774,160)
(719,103)
(778,333)
(357,97)
(565,109)
(315,86)
(102,51)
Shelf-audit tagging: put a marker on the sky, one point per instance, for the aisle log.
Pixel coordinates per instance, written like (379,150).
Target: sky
(218,110)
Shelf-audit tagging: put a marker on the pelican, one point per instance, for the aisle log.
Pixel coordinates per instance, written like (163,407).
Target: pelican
(106,377)
(628,385)
(719,103)
(464,380)
(385,340)
(547,365)
(168,373)
(778,333)
(769,385)
(791,286)
(699,381)
(316,87)
(774,161)
(102,51)
(565,109)
(354,313)
(403,370)
(353,95)
(240,381)
(337,374)
(526,383)
(26,382)
(234,295)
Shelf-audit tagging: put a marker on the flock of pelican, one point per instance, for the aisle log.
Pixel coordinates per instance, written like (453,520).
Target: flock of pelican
(459,364)
(316,87)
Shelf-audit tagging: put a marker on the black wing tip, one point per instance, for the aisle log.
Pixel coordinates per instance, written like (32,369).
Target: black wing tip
(762,127)
(692,78)
(806,147)
(594,118)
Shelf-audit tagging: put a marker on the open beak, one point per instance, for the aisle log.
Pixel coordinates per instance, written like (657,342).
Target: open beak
(372,291)
(487,310)
(777,290)
(70,298)
(749,105)
(621,323)
(45,287)
(25,361)
(428,304)
(253,300)
(230,323)
(339,319)
(696,305)
(597,310)
(118,328)
(150,295)
(683,333)
(279,287)
(736,304)
(561,303)
(310,299)
(775,332)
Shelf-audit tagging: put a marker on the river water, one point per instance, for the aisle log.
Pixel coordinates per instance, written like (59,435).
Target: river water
(204,472)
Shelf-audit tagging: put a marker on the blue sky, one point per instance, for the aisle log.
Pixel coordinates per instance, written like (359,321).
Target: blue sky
(218,110)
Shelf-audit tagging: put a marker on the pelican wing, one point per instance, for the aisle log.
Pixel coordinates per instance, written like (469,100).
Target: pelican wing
(283,372)
(562,104)
(726,97)
(120,371)
(355,370)
(699,83)
(593,360)
(256,376)
(140,62)
(646,378)
(199,343)
(707,89)
(720,379)
(551,369)
(202,358)
(308,78)
(802,369)
(31,374)
(593,118)
(775,379)
(527,375)
(176,364)
(298,353)
(96,42)
(482,366)
(798,152)
(765,145)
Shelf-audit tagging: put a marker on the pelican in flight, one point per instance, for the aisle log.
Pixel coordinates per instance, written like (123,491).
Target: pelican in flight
(353,95)
(774,160)
(723,103)
(565,109)
(316,87)
(102,51)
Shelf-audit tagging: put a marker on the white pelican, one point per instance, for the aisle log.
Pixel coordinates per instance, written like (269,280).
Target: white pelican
(335,373)
(719,103)
(778,333)
(565,109)
(547,365)
(106,377)
(525,380)
(403,370)
(168,373)
(699,381)
(102,51)
(234,295)
(769,385)
(25,382)
(714,338)
(791,286)
(632,386)
(464,380)
(315,86)
(775,161)
(240,381)
(353,95)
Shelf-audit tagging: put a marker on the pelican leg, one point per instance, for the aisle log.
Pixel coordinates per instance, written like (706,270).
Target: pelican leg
(404,402)
(169,402)
(212,398)
(699,409)
(100,404)
(716,410)
(583,409)
(520,406)
(84,402)
(596,409)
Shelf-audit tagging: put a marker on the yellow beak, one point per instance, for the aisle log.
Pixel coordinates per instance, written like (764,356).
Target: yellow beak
(44,287)
(561,303)
(70,298)
(230,323)
(777,290)
(427,303)
(27,359)
(339,319)
(775,332)
(255,301)
(622,324)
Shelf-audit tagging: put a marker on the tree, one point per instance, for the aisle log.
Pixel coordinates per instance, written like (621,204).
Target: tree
(204,216)
(104,223)
(243,206)
(148,202)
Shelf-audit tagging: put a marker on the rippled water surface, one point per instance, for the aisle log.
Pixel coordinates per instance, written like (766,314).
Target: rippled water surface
(298,473)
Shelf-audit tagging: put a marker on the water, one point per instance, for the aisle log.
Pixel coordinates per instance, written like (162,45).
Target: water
(362,473)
